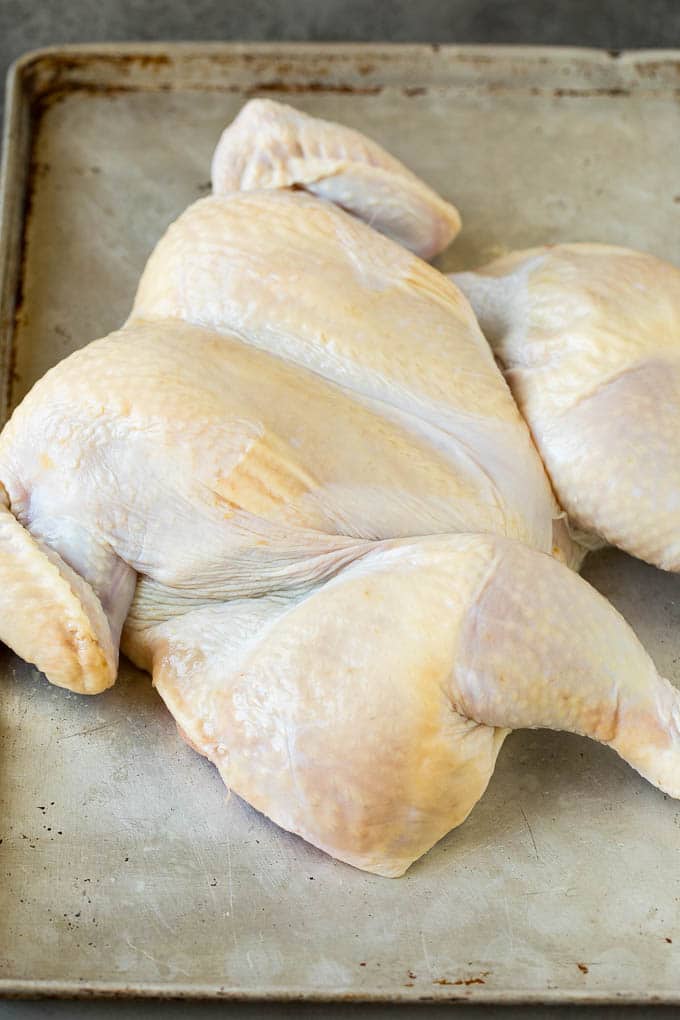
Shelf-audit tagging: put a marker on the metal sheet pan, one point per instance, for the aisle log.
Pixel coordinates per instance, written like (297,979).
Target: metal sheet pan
(125,867)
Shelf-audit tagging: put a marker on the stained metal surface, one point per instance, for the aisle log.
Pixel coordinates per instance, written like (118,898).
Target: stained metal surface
(125,866)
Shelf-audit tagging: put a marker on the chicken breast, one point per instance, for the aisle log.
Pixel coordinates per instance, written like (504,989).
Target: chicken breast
(302,280)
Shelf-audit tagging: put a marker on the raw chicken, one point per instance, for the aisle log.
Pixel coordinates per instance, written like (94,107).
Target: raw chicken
(589,336)
(367,714)
(256,481)
(271,145)
(382,415)
(303,280)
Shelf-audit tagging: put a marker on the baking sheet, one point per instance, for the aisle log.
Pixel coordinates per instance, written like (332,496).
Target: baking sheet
(125,866)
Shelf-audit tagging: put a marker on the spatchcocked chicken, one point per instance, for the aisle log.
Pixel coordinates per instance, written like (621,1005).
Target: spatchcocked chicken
(589,336)
(297,485)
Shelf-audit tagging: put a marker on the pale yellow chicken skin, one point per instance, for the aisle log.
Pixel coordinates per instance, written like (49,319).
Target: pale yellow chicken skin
(296,487)
(355,690)
(589,336)
(271,145)
(390,445)
(303,280)
(368,714)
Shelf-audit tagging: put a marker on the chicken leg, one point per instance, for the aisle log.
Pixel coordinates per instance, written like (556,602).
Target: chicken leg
(589,336)
(367,714)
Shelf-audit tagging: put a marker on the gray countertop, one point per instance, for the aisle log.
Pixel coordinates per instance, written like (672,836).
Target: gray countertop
(611,24)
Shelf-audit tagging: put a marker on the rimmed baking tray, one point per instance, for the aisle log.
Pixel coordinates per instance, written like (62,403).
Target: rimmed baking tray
(125,868)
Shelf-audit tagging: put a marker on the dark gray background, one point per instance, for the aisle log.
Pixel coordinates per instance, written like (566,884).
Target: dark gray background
(226,1011)
(610,24)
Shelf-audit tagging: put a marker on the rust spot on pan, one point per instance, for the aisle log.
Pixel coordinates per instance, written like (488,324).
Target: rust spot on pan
(652,68)
(46,100)
(51,66)
(587,93)
(35,171)
(478,980)
(279,85)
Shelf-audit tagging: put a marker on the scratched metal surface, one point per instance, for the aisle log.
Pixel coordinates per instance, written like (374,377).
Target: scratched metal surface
(124,865)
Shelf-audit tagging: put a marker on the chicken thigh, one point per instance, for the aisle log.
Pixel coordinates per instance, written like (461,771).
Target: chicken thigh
(589,336)
(366,714)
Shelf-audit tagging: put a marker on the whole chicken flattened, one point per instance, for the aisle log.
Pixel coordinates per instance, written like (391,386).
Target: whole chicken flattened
(297,490)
